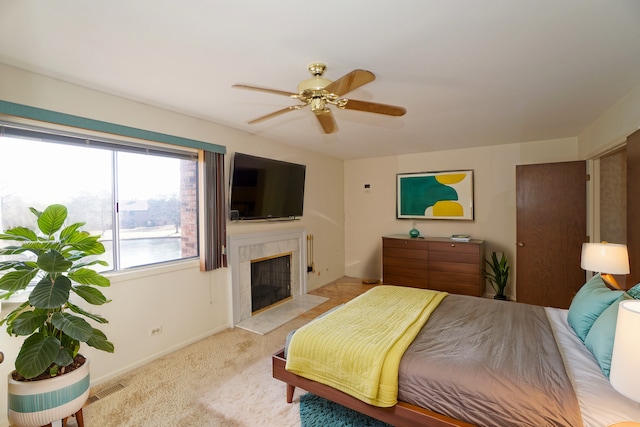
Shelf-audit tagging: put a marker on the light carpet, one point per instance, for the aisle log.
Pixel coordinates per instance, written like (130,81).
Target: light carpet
(221,381)
(255,398)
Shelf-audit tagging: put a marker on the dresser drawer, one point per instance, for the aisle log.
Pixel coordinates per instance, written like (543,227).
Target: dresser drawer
(462,257)
(406,243)
(409,263)
(457,247)
(406,253)
(454,267)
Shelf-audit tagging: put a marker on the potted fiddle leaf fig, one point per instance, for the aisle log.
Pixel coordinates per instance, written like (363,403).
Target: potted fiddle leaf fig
(497,274)
(55,259)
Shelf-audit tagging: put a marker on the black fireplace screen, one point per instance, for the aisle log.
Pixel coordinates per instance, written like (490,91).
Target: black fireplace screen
(270,281)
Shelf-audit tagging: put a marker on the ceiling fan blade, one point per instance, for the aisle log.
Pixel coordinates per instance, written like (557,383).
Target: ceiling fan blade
(350,81)
(327,121)
(264,89)
(372,107)
(276,113)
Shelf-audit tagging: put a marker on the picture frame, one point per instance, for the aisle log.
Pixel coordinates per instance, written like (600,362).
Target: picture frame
(435,195)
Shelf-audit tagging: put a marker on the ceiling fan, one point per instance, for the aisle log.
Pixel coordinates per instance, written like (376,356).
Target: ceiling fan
(318,92)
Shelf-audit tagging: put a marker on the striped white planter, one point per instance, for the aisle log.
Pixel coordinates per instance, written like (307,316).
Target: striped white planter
(38,403)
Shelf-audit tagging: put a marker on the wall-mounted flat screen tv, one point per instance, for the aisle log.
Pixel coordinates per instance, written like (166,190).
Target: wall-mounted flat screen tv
(265,188)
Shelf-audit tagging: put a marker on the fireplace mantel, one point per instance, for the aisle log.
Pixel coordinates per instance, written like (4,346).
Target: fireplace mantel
(242,248)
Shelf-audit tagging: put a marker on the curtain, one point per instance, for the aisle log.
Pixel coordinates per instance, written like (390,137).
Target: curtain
(215,222)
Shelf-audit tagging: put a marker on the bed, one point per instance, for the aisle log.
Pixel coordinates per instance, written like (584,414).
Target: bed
(481,362)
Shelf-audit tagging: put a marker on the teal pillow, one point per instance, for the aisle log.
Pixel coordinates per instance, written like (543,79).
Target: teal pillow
(591,300)
(599,340)
(635,291)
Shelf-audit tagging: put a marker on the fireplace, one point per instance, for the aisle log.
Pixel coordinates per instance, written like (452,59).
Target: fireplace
(270,281)
(244,248)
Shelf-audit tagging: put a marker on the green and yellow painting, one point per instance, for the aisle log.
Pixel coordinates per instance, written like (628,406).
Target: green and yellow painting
(436,195)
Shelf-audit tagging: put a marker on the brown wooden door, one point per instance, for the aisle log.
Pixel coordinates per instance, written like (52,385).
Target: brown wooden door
(551,219)
(633,207)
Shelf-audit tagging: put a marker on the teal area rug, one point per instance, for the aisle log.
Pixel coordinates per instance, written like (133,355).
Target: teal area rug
(316,411)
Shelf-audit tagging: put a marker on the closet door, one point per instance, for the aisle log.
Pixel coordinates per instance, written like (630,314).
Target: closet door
(633,207)
(551,220)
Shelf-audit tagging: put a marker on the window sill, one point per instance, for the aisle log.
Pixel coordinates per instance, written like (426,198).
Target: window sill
(148,271)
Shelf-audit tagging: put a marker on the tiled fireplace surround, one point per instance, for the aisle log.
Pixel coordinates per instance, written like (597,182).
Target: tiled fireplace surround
(242,248)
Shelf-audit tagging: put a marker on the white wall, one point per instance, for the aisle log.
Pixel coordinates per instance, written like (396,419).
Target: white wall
(612,128)
(187,303)
(372,214)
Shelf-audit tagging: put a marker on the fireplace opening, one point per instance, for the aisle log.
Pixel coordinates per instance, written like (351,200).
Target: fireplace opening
(270,281)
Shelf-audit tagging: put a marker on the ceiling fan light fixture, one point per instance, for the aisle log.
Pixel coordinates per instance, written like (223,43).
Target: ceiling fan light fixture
(318,105)
(314,83)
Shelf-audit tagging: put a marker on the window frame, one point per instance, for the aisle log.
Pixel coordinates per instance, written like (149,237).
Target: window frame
(18,114)
(114,147)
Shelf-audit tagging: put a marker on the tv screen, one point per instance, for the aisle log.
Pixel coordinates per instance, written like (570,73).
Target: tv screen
(264,188)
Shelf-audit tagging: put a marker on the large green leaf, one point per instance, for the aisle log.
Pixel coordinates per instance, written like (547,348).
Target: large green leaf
(91,295)
(70,230)
(12,250)
(52,219)
(86,276)
(36,354)
(8,319)
(17,280)
(17,265)
(19,234)
(54,262)
(28,322)
(85,313)
(83,242)
(49,295)
(64,357)
(92,262)
(99,340)
(72,346)
(40,246)
(77,328)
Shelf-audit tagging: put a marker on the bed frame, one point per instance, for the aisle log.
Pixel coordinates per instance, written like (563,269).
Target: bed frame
(401,415)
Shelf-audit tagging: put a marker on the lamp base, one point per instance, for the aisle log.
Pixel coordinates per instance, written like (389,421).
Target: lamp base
(611,281)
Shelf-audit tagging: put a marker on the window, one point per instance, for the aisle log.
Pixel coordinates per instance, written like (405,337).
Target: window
(141,199)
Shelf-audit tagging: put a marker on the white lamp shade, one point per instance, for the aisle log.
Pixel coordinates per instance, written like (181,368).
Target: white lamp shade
(625,372)
(608,258)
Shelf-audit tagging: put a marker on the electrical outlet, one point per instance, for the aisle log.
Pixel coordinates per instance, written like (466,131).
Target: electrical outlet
(155,331)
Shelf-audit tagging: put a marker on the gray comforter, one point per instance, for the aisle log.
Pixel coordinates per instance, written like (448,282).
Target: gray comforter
(490,363)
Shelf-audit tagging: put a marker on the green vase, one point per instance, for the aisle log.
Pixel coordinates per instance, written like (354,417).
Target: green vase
(414,233)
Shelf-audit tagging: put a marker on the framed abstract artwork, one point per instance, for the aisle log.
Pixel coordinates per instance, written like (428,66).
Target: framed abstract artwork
(435,195)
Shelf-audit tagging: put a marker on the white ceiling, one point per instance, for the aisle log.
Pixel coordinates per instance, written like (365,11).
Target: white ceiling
(469,72)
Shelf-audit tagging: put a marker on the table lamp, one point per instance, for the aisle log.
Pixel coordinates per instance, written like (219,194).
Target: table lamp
(606,259)
(625,375)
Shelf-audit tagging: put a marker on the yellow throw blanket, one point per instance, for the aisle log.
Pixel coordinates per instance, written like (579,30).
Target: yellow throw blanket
(357,348)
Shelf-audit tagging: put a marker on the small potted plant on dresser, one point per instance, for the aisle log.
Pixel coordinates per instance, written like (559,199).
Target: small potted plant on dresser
(497,274)
(51,379)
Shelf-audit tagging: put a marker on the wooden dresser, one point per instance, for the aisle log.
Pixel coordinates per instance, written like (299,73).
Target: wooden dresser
(434,263)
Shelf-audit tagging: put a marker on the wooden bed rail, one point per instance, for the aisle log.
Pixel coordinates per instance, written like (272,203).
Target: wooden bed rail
(401,415)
